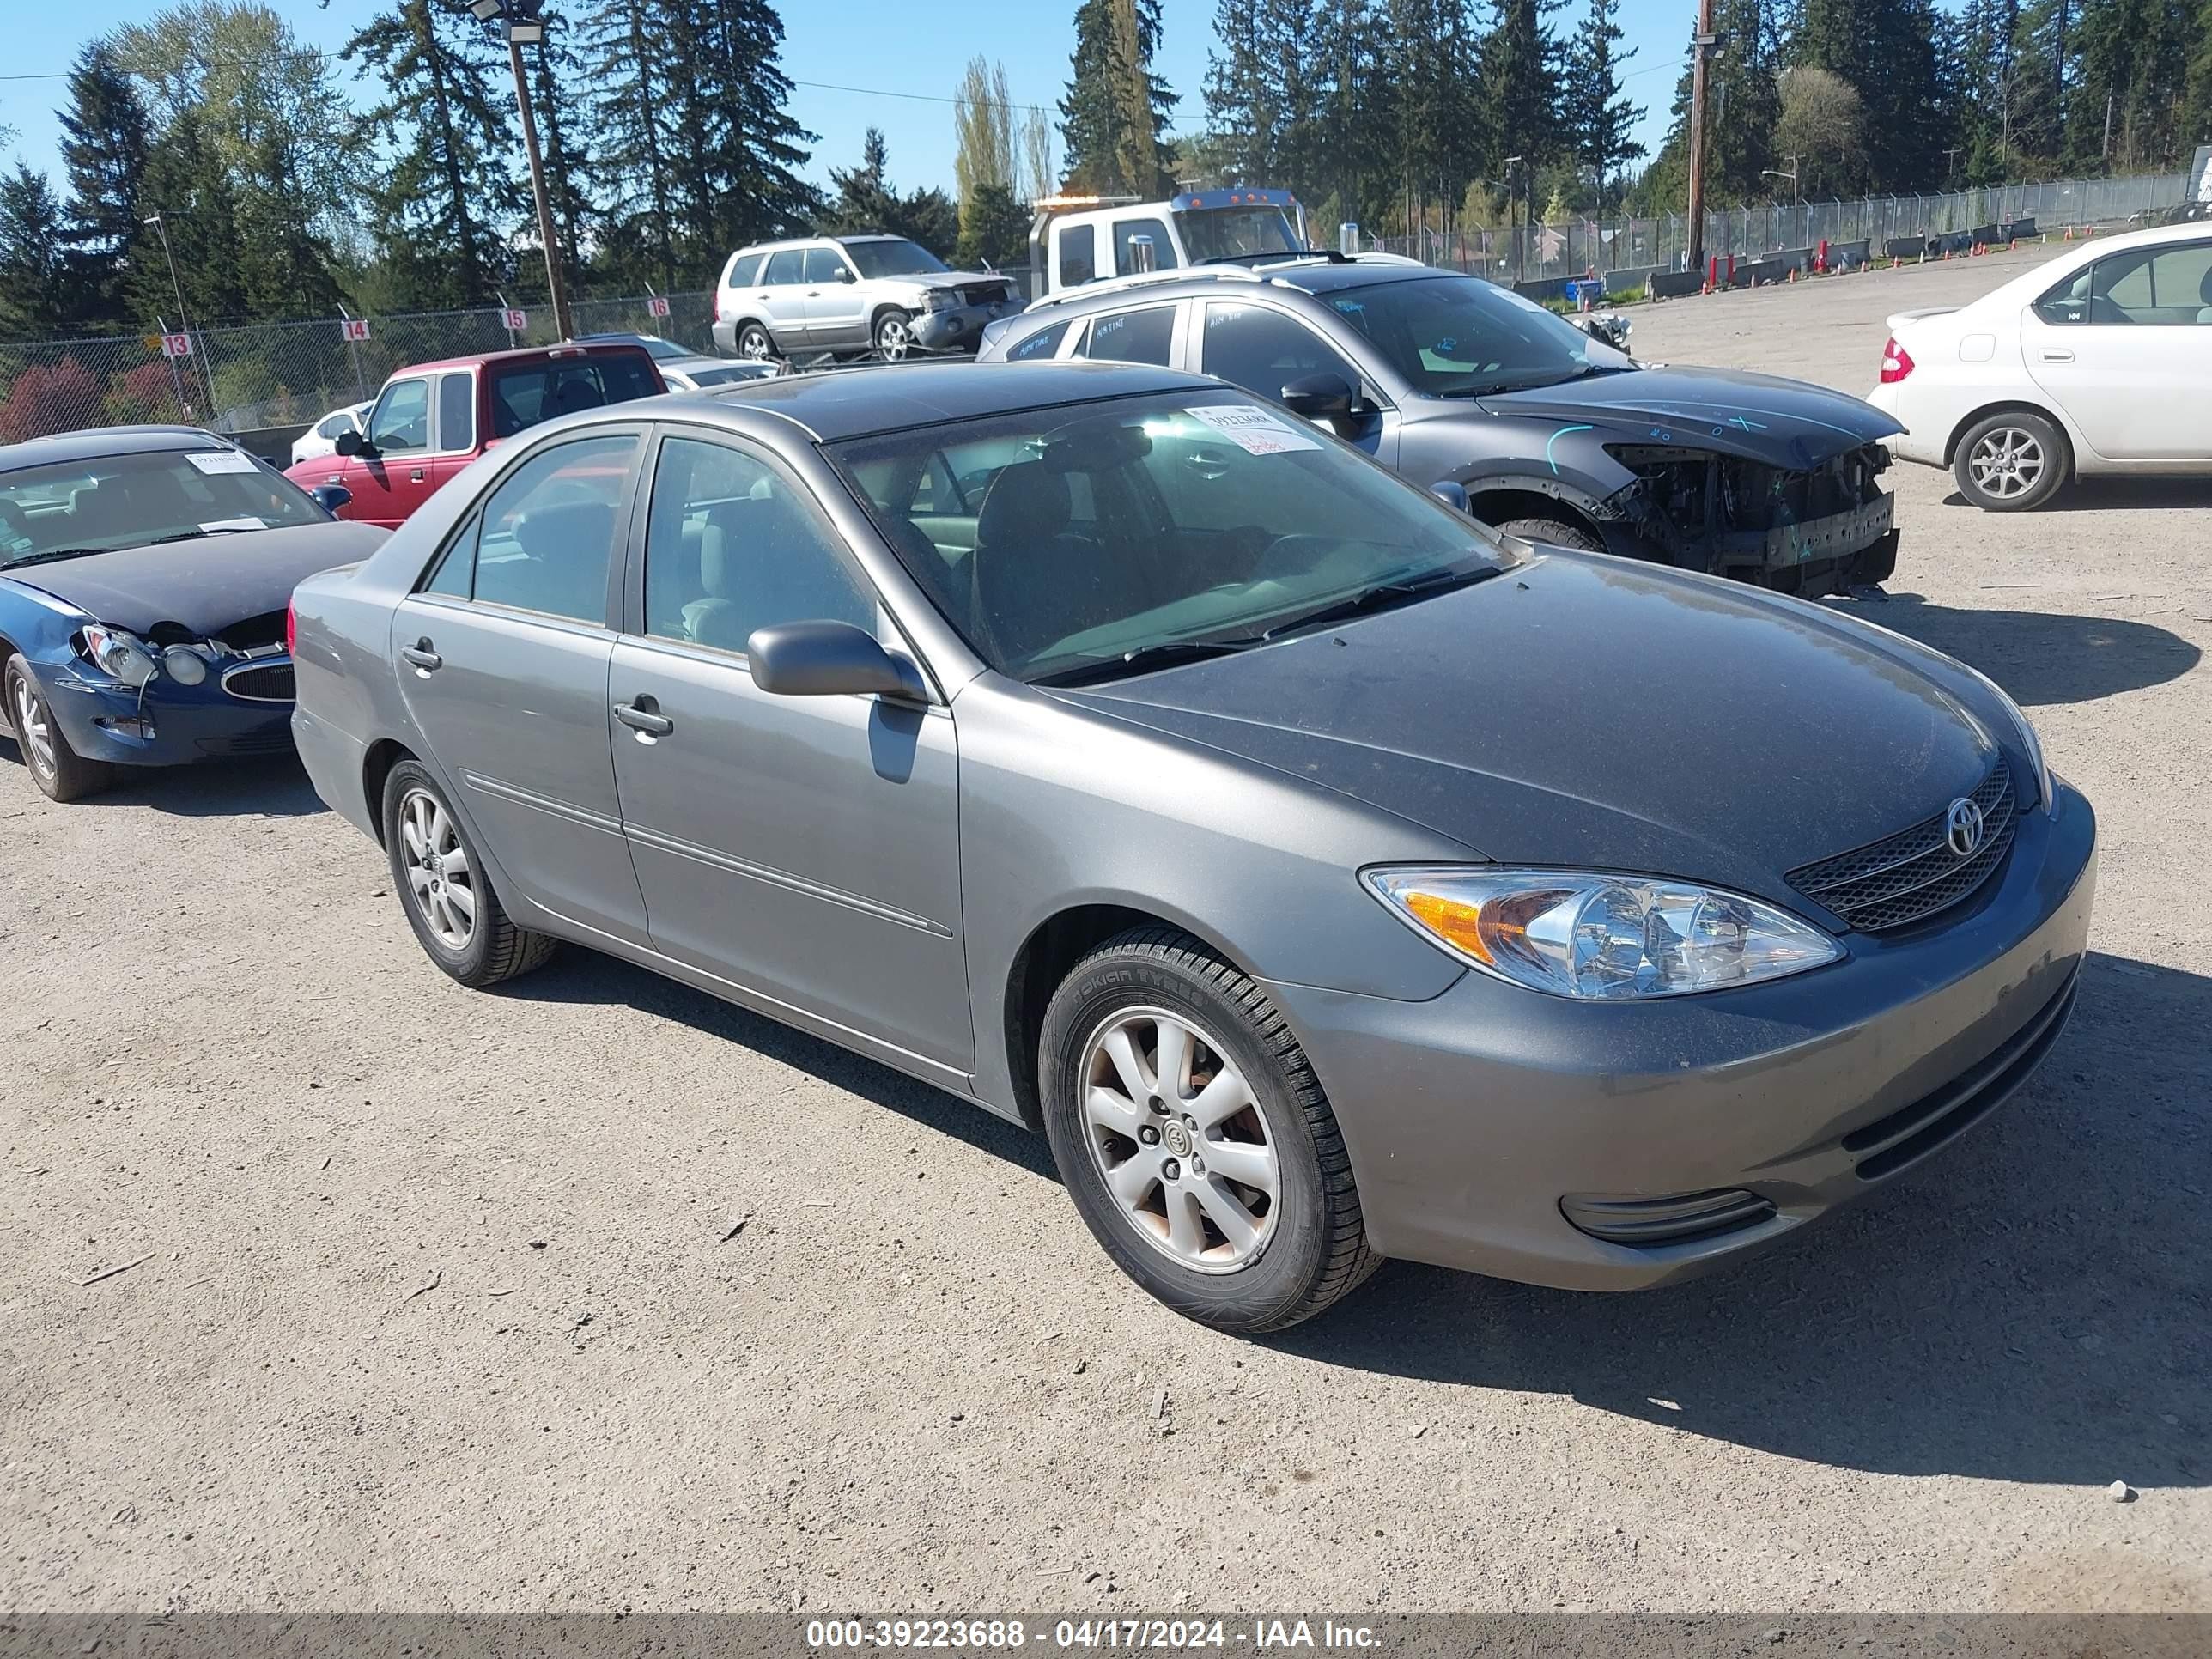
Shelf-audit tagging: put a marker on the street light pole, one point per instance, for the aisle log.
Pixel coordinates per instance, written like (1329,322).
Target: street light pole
(1704,43)
(524,24)
(184,316)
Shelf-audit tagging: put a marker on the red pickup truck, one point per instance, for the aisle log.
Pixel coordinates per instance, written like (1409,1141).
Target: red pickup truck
(433,419)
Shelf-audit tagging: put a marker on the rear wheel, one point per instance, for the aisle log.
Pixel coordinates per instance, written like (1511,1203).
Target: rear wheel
(2011,462)
(55,767)
(1194,1138)
(1559,532)
(442,886)
(755,343)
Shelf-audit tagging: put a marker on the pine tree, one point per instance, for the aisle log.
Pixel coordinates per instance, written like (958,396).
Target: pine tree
(2132,58)
(1600,119)
(1886,49)
(625,43)
(444,207)
(186,184)
(753,150)
(555,76)
(105,139)
(1116,109)
(33,272)
(1520,62)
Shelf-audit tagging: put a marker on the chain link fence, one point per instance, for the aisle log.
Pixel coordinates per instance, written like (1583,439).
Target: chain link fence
(260,377)
(1628,250)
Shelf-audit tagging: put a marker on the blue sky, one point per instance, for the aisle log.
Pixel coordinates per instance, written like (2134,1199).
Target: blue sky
(868,43)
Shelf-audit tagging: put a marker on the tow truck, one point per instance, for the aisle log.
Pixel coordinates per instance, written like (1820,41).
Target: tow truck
(1075,240)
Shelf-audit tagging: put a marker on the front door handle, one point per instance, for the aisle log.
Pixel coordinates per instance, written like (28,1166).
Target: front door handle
(644,717)
(2055,355)
(423,656)
(415,476)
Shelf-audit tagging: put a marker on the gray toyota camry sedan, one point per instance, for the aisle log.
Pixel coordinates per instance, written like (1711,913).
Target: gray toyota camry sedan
(1328,880)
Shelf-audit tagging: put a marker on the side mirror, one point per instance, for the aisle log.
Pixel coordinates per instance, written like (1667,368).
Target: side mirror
(352,443)
(1451,495)
(827,659)
(845,274)
(332,497)
(1318,396)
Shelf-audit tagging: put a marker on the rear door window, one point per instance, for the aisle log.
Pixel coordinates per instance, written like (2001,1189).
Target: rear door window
(745,271)
(457,412)
(785,268)
(1078,246)
(547,534)
(1132,337)
(523,394)
(1042,343)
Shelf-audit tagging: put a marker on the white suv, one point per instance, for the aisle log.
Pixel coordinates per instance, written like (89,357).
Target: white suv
(852,294)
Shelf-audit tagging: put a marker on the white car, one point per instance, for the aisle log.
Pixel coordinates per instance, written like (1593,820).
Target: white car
(2098,363)
(321,439)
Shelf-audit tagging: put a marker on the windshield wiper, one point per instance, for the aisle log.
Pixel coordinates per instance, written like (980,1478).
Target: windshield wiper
(1384,595)
(1146,657)
(51,554)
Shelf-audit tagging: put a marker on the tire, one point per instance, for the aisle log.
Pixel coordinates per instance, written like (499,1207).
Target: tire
(754,343)
(59,770)
(2013,461)
(892,334)
(1557,532)
(1299,1249)
(490,948)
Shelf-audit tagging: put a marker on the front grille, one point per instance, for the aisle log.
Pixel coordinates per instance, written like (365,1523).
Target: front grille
(261,681)
(1674,1219)
(273,739)
(983,294)
(1910,876)
(267,628)
(1908,1135)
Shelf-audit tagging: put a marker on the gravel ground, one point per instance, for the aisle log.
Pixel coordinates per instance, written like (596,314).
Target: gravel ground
(436,1310)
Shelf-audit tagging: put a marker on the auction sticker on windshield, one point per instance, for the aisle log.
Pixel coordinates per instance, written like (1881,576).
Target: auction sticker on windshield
(1252,431)
(221,460)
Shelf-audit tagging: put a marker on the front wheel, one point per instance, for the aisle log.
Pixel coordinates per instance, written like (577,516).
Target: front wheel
(755,344)
(1195,1139)
(893,335)
(456,917)
(58,769)
(2011,462)
(1556,533)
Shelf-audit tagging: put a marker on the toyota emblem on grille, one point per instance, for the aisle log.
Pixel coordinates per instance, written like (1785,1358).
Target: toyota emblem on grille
(1962,827)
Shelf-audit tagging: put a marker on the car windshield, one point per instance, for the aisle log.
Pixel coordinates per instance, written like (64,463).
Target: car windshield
(1084,542)
(893,257)
(66,508)
(1459,337)
(660,350)
(1236,233)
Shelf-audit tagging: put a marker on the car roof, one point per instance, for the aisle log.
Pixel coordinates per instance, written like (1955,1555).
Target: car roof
(99,441)
(522,354)
(1316,274)
(848,403)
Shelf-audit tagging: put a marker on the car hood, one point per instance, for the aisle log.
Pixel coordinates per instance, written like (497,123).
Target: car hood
(919,281)
(205,586)
(1760,417)
(1588,712)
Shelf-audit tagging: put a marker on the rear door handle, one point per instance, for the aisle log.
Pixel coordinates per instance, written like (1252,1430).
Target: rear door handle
(2055,355)
(644,717)
(423,656)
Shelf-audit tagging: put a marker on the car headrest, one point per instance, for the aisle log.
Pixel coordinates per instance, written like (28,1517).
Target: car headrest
(1027,502)
(741,535)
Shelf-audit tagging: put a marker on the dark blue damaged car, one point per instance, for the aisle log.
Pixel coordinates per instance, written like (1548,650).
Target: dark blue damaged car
(146,574)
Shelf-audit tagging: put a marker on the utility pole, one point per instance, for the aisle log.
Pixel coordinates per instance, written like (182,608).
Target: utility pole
(524,25)
(1519,246)
(183,318)
(1705,40)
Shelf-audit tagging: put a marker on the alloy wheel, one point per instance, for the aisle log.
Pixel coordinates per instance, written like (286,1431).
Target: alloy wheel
(437,872)
(2007,462)
(1181,1140)
(31,722)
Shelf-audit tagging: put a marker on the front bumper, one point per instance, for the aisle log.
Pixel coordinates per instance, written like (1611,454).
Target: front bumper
(171,725)
(1472,1117)
(960,328)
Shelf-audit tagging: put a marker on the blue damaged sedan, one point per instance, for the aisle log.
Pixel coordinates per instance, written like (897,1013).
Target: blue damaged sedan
(1327,878)
(145,573)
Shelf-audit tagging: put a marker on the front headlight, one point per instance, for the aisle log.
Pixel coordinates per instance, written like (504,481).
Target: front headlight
(1606,938)
(938,299)
(122,654)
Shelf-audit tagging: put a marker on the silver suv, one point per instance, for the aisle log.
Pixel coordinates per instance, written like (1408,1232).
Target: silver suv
(852,294)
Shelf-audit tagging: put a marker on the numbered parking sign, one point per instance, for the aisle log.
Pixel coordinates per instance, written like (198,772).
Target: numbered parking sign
(176,345)
(516,320)
(353,328)
(656,305)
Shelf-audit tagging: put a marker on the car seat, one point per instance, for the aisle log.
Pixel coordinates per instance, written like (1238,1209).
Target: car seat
(1026,549)
(762,561)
